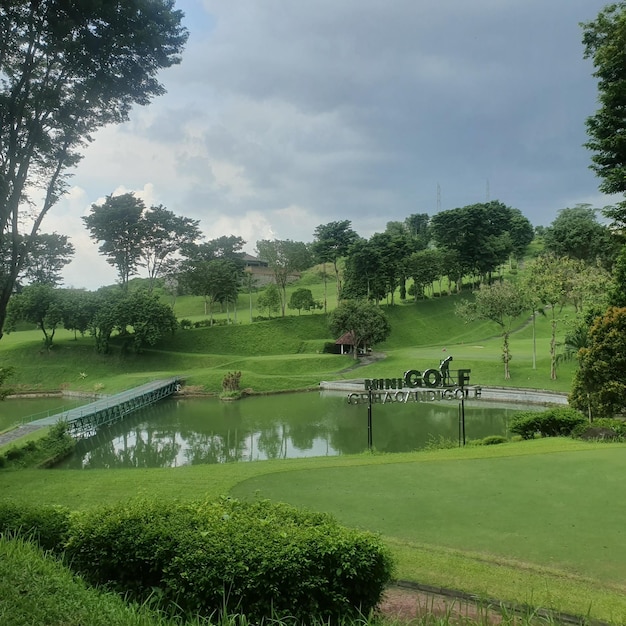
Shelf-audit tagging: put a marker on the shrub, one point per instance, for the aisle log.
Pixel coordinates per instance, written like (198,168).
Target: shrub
(185,324)
(259,559)
(44,452)
(493,440)
(558,422)
(606,429)
(48,526)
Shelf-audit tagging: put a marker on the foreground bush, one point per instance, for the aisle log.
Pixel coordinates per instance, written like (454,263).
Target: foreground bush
(558,422)
(258,559)
(38,589)
(48,526)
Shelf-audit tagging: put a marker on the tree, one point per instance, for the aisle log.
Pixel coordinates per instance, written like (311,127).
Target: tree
(149,319)
(117,224)
(302,299)
(482,235)
(576,233)
(164,234)
(423,267)
(551,279)
(392,252)
(78,309)
(49,254)
(67,70)
(216,280)
(39,304)
(363,278)
(139,317)
(331,242)
(605,44)
(599,386)
(269,299)
(285,258)
(366,323)
(502,302)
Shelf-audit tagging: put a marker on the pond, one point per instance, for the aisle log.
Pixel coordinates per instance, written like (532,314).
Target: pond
(185,431)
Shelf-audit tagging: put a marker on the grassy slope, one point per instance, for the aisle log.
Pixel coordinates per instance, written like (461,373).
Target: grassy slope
(286,354)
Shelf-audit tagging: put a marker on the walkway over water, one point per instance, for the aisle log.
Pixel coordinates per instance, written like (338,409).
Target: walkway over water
(86,419)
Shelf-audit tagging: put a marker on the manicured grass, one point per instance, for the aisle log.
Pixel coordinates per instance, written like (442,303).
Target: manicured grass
(531,522)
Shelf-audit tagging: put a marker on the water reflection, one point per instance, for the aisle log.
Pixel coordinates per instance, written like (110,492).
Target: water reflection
(178,432)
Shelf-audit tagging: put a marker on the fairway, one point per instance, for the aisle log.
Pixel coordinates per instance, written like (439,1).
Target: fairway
(562,511)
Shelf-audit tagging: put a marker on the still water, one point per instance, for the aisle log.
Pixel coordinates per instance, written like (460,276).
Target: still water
(189,431)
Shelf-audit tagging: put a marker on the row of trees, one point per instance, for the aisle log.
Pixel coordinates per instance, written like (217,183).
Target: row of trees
(138,317)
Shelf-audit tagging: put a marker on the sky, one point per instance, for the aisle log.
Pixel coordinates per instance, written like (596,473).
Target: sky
(285,115)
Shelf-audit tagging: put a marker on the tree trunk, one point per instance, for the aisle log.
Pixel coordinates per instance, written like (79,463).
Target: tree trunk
(553,348)
(506,356)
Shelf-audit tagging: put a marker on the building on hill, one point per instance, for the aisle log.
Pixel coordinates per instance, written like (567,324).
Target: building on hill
(261,271)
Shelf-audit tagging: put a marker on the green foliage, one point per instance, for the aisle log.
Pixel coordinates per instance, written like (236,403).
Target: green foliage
(5,372)
(36,588)
(600,382)
(492,440)
(364,320)
(302,298)
(43,452)
(603,429)
(47,525)
(558,422)
(269,299)
(259,559)
(231,381)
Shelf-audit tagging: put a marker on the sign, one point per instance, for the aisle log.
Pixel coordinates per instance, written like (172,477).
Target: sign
(415,386)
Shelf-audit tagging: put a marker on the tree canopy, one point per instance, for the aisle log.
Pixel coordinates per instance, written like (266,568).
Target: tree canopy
(67,69)
(365,321)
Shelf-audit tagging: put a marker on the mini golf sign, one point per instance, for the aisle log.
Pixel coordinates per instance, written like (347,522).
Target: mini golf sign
(415,386)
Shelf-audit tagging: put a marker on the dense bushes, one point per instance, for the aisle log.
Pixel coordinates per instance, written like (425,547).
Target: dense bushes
(48,526)
(558,422)
(44,452)
(258,559)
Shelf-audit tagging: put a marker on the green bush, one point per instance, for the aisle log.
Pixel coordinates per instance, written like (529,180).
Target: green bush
(44,452)
(604,428)
(493,440)
(558,422)
(257,559)
(48,526)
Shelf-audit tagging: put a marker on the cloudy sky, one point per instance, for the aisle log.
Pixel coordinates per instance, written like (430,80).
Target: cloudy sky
(284,115)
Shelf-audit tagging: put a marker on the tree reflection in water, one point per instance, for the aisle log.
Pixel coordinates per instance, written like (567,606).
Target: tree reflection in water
(194,431)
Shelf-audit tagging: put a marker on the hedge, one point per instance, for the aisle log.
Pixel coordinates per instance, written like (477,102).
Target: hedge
(257,559)
(558,422)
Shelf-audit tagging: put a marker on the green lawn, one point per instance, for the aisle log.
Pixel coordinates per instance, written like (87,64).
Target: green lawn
(538,522)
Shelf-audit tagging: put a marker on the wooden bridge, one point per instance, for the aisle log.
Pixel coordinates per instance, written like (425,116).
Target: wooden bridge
(84,420)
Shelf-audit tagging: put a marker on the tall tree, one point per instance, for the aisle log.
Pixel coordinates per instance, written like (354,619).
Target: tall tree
(599,386)
(331,242)
(502,303)
(67,69)
(552,281)
(118,225)
(363,278)
(285,258)
(605,44)
(164,234)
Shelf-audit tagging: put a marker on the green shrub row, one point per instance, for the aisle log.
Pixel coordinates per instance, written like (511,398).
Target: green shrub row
(557,422)
(44,452)
(257,559)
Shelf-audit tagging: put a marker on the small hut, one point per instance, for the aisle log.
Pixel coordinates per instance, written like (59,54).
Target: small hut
(346,343)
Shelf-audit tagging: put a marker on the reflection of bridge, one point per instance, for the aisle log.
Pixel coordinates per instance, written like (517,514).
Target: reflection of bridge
(86,419)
